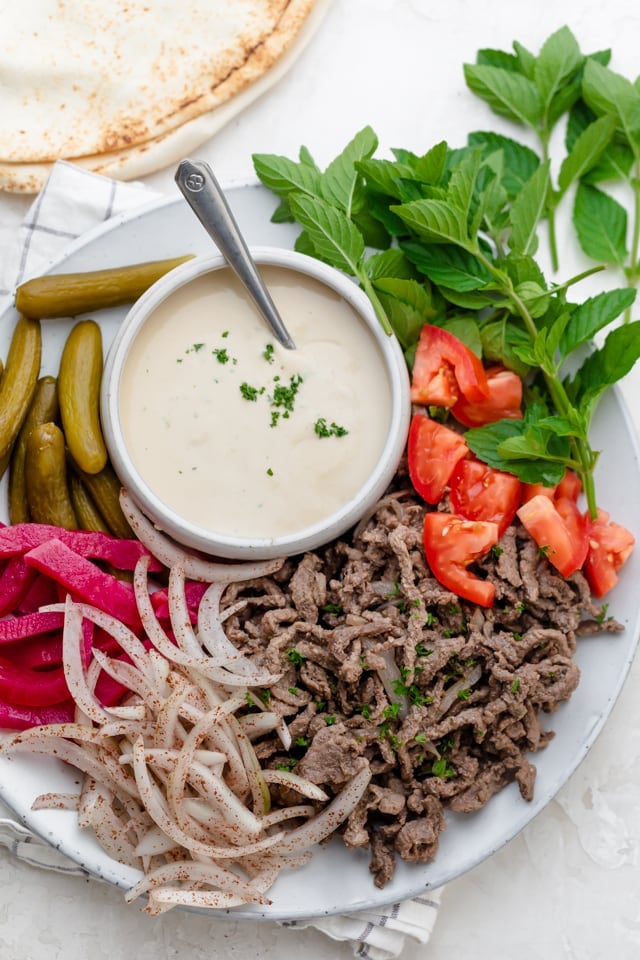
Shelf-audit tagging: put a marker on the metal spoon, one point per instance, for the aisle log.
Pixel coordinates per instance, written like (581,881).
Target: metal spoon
(204,195)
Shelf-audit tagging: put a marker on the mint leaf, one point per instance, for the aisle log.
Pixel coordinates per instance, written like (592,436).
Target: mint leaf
(527,210)
(435,220)
(332,234)
(447,266)
(430,166)
(508,94)
(526,60)
(383,176)
(501,339)
(407,305)
(608,92)
(587,150)
(606,366)
(389,263)
(339,182)
(530,461)
(500,59)
(593,315)
(462,183)
(520,162)
(601,225)
(282,175)
(556,64)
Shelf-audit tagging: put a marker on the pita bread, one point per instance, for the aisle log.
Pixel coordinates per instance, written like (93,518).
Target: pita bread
(197,64)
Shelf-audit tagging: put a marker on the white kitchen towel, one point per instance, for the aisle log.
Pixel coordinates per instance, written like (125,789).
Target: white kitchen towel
(72,202)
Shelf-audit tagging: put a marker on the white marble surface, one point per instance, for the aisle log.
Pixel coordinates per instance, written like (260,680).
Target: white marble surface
(567,887)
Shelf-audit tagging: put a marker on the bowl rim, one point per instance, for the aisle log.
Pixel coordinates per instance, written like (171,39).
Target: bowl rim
(194,536)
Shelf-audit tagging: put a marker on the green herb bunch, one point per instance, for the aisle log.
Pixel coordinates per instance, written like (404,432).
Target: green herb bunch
(450,237)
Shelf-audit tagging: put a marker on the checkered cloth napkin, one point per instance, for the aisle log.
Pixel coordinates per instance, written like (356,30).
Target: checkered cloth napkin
(72,202)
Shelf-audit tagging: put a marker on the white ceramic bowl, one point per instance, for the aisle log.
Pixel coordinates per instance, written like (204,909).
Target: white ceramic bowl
(209,541)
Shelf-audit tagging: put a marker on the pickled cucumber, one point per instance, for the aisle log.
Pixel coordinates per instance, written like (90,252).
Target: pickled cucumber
(43,409)
(70,294)
(79,380)
(46,477)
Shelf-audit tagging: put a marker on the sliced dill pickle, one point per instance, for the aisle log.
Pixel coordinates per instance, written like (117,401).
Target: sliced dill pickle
(45,471)
(18,383)
(42,409)
(79,380)
(69,294)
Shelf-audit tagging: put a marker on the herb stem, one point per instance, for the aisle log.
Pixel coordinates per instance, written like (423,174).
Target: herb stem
(551,203)
(632,272)
(584,455)
(369,289)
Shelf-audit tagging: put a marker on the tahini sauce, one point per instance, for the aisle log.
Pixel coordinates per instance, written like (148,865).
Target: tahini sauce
(226,462)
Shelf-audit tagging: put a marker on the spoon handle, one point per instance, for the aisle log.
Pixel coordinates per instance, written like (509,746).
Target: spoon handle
(204,195)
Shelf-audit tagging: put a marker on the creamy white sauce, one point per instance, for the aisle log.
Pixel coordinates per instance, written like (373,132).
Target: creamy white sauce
(212,454)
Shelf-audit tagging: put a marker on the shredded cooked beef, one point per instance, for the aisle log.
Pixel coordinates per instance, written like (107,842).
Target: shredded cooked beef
(383,666)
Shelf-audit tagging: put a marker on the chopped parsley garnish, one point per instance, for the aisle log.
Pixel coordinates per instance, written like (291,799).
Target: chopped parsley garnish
(287,765)
(334,430)
(392,710)
(515,686)
(285,396)
(294,691)
(295,657)
(267,353)
(221,354)
(364,710)
(422,651)
(464,694)
(335,608)
(442,768)
(330,719)
(420,738)
(250,393)
(269,472)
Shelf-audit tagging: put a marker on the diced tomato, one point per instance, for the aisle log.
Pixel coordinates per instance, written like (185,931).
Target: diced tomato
(478,492)
(609,547)
(559,529)
(503,402)
(433,451)
(570,486)
(451,545)
(445,369)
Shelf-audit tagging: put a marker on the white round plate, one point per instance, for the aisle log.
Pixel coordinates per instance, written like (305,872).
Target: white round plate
(338,880)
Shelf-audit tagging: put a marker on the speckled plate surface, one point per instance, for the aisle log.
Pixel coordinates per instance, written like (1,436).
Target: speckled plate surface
(337,880)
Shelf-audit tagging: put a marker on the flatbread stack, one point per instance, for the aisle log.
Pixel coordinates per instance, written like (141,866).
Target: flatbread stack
(125,87)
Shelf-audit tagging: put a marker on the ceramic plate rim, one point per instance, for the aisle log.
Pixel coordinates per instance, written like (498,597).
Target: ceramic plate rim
(410,881)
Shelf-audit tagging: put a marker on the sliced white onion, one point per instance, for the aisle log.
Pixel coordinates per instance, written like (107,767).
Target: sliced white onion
(326,822)
(287,778)
(56,801)
(169,553)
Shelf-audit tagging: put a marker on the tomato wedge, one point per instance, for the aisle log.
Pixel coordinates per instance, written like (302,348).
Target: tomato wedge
(445,369)
(478,492)
(570,486)
(433,450)
(559,529)
(610,545)
(503,402)
(451,545)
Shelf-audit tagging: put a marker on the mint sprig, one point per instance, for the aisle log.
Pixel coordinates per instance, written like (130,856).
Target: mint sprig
(450,236)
